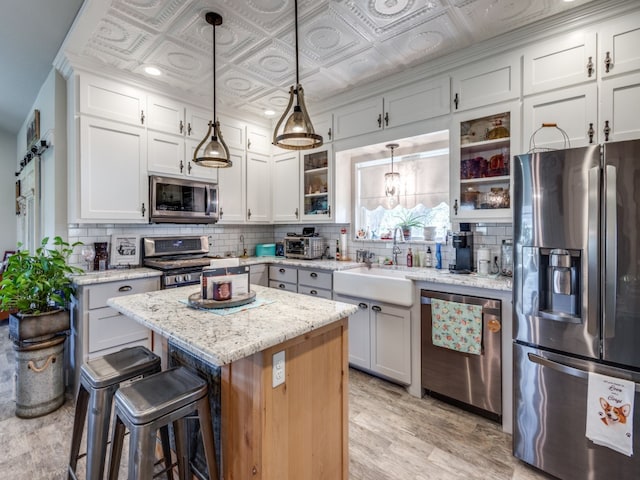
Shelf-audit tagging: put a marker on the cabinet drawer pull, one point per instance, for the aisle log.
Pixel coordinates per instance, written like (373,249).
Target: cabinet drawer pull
(313,292)
(125,288)
(376,308)
(282,270)
(363,305)
(281,285)
(313,275)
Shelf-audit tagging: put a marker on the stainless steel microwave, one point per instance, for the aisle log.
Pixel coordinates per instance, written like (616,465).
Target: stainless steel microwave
(176,200)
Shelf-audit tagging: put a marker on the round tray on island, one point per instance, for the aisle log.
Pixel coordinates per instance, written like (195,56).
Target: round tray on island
(195,300)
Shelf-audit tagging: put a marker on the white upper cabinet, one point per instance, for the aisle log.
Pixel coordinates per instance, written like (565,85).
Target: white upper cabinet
(323,125)
(316,182)
(619,41)
(285,186)
(110,99)
(258,187)
(233,131)
(113,177)
(231,189)
(486,82)
(259,139)
(407,104)
(573,109)
(192,169)
(562,62)
(165,115)
(619,102)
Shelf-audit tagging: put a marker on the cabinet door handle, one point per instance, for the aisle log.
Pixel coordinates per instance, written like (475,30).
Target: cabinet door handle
(608,63)
(456,100)
(142,117)
(329,133)
(189,128)
(125,288)
(313,275)
(386,119)
(248,144)
(455,206)
(313,292)
(181,126)
(363,306)
(282,270)
(606,130)
(376,308)
(249,214)
(379,120)
(591,132)
(181,166)
(590,67)
(143,209)
(296,213)
(329,210)
(189,168)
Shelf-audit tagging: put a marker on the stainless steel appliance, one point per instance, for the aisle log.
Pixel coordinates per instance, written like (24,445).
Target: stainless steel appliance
(175,200)
(304,247)
(576,292)
(463,244)
(474,380)
(181,259)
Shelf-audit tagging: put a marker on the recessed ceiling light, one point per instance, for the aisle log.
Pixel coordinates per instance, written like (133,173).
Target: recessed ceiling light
(153,71)
(269,113)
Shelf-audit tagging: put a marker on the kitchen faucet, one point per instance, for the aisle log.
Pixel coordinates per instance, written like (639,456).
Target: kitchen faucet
(396,249)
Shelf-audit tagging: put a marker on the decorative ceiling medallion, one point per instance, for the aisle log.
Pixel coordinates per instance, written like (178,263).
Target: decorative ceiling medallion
(425,41)
(274,63)
(111,32)
(183,61)
(141,3)
(238,84)
(323,38)
(268,6)
(389,8)
(505,9)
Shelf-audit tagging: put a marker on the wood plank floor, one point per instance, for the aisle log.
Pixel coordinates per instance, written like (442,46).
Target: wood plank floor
(392,436)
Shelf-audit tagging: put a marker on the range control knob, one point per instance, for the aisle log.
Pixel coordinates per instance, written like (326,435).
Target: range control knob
(177,279)
(186,278)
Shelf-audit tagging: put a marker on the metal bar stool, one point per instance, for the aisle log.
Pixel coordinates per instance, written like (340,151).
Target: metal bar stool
(155,402)
(99,380)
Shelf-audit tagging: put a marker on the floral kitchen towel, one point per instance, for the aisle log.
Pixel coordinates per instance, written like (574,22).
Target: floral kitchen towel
(457,326)
(610,412)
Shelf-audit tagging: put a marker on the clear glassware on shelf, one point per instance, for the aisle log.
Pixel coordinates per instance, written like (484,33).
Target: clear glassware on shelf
(88,253)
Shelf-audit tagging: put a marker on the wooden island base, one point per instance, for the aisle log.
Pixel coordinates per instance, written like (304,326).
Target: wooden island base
(297,430)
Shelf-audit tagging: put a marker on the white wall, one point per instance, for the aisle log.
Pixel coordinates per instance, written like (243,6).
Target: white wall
(7,192)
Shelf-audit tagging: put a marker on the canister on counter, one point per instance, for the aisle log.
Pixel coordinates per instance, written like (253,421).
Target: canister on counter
(221,289)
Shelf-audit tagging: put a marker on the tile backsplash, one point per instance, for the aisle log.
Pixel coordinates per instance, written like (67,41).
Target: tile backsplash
(226,240)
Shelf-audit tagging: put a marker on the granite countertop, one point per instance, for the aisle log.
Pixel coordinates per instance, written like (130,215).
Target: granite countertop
(116,275)
(222,339)
(301,263)
(492,282)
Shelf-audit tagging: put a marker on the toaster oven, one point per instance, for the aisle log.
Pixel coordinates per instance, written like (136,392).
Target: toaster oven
(304,247)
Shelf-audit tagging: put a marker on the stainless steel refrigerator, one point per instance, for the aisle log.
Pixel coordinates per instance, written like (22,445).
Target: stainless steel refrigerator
(576,293)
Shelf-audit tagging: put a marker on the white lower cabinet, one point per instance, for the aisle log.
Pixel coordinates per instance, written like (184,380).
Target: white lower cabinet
(284,278)
(98,329)
(380,338)
(313,282)
(259,274)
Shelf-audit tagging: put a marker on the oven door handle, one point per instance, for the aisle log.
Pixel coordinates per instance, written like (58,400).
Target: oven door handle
(207,201)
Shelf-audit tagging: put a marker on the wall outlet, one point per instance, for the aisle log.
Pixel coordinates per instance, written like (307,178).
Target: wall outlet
(278,368)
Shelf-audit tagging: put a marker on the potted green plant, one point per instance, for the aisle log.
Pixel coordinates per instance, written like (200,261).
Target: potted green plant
(38,288)
(407,220)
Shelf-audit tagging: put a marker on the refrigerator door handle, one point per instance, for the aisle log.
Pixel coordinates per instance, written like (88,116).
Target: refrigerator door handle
(610,253)
(562,368)
(593,254)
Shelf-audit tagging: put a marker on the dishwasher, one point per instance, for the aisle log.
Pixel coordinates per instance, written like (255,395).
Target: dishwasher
(462,352)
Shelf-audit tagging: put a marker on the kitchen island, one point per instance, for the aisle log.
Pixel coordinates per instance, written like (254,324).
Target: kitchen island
(297,429)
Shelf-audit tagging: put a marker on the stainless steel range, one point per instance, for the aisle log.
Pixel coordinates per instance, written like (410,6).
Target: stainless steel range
(181,259)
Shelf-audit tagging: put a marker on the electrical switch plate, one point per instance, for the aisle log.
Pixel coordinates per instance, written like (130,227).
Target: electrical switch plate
(278,368)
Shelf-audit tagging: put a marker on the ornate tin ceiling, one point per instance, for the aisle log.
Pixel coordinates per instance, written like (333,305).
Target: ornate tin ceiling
(343,43)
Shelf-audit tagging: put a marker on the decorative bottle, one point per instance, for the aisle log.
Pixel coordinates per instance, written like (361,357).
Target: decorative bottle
(428,259)
(438,255)
(409,258)
(101,260)
(338,256)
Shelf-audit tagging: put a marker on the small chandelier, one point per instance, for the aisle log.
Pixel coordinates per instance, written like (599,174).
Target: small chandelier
(392,181)
(216,152)
(298,133)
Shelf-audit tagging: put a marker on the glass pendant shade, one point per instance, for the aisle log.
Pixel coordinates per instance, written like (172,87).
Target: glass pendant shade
(392,181)
(216,153)
(298,132)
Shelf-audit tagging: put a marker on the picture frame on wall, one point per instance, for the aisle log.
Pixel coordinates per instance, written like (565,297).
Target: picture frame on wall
(33,129)
(125,250)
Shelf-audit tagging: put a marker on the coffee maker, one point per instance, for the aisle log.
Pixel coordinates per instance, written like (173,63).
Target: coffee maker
(463,244)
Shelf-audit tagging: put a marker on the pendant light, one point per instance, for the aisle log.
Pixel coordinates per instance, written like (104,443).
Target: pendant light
(392,181)
(216,153)
(298,133)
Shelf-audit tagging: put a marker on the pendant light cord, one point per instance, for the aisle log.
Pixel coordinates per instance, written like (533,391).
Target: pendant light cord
(296,24)
(214,76)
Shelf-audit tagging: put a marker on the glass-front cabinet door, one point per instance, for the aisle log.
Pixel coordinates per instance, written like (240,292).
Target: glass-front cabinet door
(316,184)
(483,143)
